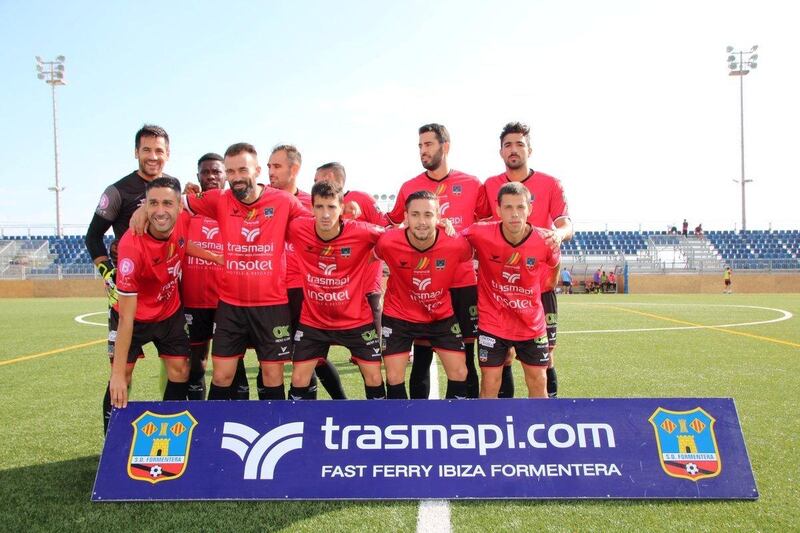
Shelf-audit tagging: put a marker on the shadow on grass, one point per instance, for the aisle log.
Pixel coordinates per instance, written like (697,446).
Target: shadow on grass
(56,497)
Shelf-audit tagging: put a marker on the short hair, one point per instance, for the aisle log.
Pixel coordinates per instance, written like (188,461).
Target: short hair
(165,182)
(151,130)
(516,188)
(421,195)
(516,127)
(291,152)
(442,135)
(326,189)
(238,148)
(335,167)
(210,156)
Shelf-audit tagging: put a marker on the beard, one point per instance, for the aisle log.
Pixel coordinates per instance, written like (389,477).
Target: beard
(519,163)
(435,162)
(241,194)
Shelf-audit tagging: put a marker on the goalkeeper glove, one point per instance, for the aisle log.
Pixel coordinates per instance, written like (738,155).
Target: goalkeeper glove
(109,274)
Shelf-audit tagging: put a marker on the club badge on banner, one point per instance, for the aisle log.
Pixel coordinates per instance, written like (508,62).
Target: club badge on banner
(686,448)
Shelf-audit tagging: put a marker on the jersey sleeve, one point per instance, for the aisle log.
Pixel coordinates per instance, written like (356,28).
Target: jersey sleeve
(558,202)
(109,205)
(380,246)
(204,203)
(553,258)
(371,212)
(483,208)
(128,268)
(396,215)
(297,209)
(463,249)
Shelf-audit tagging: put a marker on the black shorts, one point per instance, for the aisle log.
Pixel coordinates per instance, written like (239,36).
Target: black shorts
(296,297)
(493,350)
(727,282)
(465,307)
(398,335)
(201,324)
(113,325)
(264,328)
(550,305)
(312,343)
(169,336)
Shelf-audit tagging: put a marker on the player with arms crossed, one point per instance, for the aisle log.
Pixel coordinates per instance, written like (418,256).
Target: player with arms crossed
(457,194)
(149,305)
(548,211)
(332,254)
(423,262)
(513,263)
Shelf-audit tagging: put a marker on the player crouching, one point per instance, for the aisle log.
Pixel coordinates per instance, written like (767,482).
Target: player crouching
(333,254)
(149,304)
(513,259)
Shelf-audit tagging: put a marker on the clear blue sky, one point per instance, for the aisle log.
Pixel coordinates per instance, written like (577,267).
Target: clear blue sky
(630,102)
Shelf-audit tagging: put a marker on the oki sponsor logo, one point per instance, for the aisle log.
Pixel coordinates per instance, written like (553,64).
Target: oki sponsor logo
(329,297)
(259,265)
(480,437)
(261,453)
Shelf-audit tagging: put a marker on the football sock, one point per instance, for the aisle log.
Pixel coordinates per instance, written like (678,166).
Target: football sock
(106,408)
(329,377)
(241,388)
(396,392)
(506,384)
(377,392)
(552,383)
(215,392)
(197,385)
(456,390)
(262,390)
(473,389)
(176,390)
(301,393)
(274,393)
(419,383)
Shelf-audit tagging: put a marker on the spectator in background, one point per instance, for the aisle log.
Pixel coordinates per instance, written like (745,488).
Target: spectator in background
(685,231)
(604,282)
(673,230)
(726,279)
(698,231)
(596,281)
(566,281)
(612,281)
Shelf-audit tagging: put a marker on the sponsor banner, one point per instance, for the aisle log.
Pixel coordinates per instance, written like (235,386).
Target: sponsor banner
(687,448)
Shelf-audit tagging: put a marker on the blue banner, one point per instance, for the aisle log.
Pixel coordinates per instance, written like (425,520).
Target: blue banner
(686,448)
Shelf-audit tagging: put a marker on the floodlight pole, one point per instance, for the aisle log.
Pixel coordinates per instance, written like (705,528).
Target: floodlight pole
(54,76)
(747,61)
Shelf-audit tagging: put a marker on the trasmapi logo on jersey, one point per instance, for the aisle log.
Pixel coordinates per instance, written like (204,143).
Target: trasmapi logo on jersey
(327,268)
(250,235)
(209,233)
(160,446)
(687,444)
(421,283)
(261,453)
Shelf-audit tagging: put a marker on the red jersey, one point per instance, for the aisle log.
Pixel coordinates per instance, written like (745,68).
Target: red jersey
(200,281)
(334,273)
(548,202)
(294,276)
(509,281)
(254,238)
(458,198)
(419,280)
(150,269)
(370,212)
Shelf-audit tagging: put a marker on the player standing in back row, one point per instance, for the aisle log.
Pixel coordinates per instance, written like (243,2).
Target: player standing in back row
(548,211)
(457,196)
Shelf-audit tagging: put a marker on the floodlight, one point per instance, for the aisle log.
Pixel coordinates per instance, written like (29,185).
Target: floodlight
(60,59)
(733,66)
(729,49)
(731,58)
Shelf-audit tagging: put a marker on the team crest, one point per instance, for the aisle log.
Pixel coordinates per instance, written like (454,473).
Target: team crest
(345,251)
(268,212)
(530,262)
(440,264)
(160,446)
(181,242)
(687,444)
(457,190)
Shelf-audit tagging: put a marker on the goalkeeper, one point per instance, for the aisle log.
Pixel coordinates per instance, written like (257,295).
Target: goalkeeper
(114,210)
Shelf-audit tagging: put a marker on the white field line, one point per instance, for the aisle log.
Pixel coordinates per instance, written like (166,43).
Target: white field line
(434,515)
(81,319)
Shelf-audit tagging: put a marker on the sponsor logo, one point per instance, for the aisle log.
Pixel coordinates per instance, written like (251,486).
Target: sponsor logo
(330,297)
(189,319)
(370,335)
(386,332)
(327,269)
(250,248)
(495,258)
(421,284)
(126,266)
(261,453)
(423,263)
(687,444)
(251,235)
(170,251)
(104,201)
(175,270)
(455,329)
(485,340)
(269,211)
(328,250)
(327,282)
(440,264)
(281,332)
(473,310)
(298,335)
(514,259)
(551,319)
(440,190)
(251,215)
(160,446)
(483,355)
(511,277)
(112,335)
(443,208)
(249,266)
(209,233)
(403,264)
(198,195)
(346,251)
